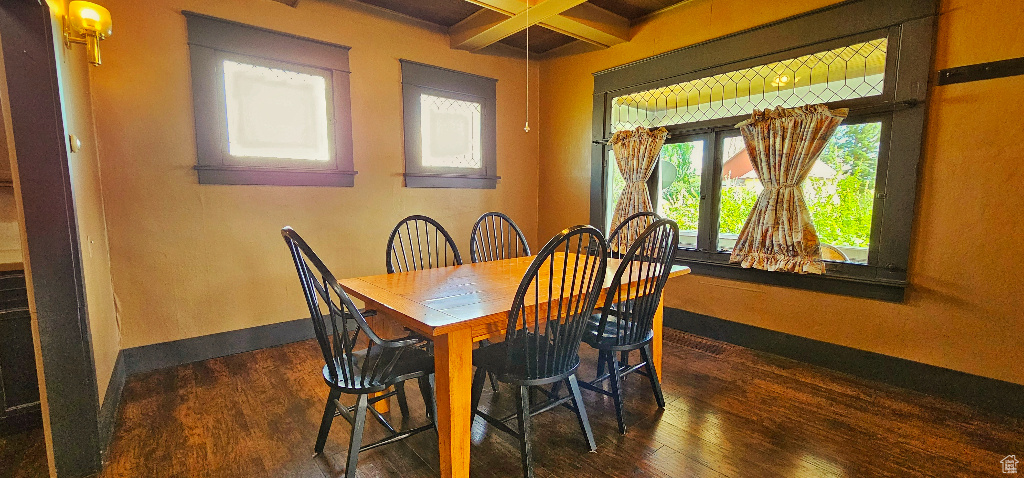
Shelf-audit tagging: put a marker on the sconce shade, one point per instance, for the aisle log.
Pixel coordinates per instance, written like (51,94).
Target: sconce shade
(89,19)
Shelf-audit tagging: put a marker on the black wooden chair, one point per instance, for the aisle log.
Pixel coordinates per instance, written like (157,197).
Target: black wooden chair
(419,242)
(495,237)
(383,364)
(618,243)
(542,339)
(626,319)
(627,231)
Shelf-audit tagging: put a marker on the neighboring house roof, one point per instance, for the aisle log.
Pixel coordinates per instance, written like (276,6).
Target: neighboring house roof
(738,166)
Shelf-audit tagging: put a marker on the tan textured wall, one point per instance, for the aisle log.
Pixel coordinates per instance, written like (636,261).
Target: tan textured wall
(964,303)
(88,193)
(191,260)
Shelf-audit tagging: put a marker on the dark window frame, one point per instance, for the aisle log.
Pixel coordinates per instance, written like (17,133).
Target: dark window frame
(419,78)
(909,26)
(213,40)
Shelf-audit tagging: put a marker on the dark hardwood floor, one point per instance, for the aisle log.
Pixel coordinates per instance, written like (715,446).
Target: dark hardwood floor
(731,412)
(23,455)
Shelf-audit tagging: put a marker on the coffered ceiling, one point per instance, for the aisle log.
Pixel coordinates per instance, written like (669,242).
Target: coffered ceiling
(476,24)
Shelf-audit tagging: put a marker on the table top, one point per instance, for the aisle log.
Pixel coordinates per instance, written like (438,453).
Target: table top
(436,301)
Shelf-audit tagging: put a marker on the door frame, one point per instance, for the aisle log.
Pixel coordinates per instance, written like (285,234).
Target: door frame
(53,265)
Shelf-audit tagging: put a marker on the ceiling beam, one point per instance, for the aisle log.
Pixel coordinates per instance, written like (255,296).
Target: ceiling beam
(592,24)
(575,18)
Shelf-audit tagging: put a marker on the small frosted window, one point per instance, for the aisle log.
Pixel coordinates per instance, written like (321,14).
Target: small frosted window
(451,132)
(275,113)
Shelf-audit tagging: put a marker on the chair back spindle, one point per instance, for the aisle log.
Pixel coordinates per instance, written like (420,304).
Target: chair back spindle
(628,231)
(553,304)
(419,242)
(629,310)
(496,237)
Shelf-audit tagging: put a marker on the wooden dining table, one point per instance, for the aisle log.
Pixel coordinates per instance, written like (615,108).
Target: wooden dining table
(456,307)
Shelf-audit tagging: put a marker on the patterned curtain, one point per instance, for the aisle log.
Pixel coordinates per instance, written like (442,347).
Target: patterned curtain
(783,145)
(636,154)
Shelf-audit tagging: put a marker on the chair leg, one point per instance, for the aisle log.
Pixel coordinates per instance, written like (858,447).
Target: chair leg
(490,376)
(600,363)
(325,423)
(357,436)
(652,374)
(476,391)
(403,405)
(428,396)
(556,388)
(494,382)
(581,412)
(617,392)
(525,429)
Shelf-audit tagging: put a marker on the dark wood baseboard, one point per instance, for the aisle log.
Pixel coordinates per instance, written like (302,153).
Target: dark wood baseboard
(985,393)
(168,354)
(107,418)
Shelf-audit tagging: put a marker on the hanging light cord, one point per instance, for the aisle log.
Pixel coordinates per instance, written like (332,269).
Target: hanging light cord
(527,128)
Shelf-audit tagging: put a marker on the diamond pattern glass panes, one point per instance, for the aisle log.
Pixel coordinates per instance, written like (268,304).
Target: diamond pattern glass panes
(451,132)
(275,113)
(854,71)
(839,191)
(681,165)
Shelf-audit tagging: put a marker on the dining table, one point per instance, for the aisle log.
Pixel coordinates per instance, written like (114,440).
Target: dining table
(456,307)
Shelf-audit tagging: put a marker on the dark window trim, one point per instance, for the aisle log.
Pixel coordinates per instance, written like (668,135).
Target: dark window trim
(418,78)
(909,26)
(211,40)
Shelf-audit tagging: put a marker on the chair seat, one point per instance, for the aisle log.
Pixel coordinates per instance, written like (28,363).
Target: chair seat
(412,363)
(494,359)
(610,336)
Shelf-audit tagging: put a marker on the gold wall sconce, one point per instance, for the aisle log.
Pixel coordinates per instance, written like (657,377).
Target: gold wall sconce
(87,23)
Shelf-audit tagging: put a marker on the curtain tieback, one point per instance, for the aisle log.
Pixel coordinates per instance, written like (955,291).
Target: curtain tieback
(776,187)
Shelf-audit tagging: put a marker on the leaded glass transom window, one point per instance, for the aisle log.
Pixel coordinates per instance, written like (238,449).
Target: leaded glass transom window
(854,71)
(450,132)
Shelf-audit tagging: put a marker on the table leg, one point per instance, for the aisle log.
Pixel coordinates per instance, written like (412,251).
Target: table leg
(659,319)
(453,368)
(383,406)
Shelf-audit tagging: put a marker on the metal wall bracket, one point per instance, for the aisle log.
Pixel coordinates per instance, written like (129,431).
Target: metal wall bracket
(982,71)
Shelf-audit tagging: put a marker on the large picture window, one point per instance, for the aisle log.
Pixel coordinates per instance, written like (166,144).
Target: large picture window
(860,192)
(270,108)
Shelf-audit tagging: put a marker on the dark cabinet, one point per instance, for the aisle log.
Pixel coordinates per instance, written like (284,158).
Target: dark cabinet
(19,389)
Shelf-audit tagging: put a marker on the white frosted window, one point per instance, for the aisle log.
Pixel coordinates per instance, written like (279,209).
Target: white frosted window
(451,132)
(274,113)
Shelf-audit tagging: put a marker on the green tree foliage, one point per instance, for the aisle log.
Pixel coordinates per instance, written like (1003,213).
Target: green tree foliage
(841,206)
(682,198)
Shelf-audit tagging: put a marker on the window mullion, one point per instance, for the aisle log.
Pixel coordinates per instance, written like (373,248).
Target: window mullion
(707,219)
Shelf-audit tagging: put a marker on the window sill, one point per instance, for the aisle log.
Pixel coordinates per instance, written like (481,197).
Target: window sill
(235,175)
(854,280)
(460,181)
